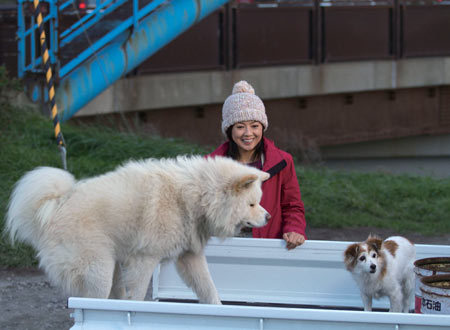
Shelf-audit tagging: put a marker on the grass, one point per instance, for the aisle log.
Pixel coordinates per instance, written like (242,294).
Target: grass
(332,199)
(404,203)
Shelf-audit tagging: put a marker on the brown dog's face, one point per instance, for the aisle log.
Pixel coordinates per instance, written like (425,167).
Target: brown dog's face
(364,257)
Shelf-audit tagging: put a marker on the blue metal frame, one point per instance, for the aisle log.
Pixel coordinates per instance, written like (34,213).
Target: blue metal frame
(125,52)
(23,33)
(117,53)
(88,20)
(111,36)
(65,37)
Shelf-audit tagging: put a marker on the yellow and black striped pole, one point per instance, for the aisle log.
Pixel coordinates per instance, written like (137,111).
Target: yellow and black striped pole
(50,82)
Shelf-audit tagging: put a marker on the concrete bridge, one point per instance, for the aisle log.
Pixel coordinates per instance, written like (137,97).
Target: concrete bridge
(340,79)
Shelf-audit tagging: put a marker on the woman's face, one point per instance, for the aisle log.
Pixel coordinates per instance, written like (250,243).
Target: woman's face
(247,135)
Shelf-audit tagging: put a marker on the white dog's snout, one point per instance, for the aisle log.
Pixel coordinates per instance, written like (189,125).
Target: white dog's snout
(261,222)
(267,216)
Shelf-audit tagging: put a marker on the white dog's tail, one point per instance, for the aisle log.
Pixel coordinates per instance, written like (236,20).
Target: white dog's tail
(33,202)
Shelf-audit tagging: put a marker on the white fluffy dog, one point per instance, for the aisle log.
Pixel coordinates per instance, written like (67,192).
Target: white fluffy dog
(102,237)
(383,268)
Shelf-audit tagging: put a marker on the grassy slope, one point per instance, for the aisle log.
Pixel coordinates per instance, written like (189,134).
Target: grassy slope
(332,199)
(404,203)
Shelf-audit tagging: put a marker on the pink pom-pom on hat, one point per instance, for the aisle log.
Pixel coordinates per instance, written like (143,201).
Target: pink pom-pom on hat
(242,87)
(243,105)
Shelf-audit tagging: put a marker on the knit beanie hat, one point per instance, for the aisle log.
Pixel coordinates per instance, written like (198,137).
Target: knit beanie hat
(243,105)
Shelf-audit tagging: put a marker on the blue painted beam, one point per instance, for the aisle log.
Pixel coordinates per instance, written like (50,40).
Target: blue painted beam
(116,60)
(106,39)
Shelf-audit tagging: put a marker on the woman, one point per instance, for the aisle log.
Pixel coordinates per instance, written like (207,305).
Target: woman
(244,122)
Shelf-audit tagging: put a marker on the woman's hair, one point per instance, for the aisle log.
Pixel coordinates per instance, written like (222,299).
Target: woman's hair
(233,150)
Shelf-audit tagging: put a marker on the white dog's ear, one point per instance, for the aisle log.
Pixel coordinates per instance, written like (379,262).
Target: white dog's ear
(243,183)
(265,176)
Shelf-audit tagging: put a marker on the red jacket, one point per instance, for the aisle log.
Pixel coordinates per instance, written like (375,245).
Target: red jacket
(281,193)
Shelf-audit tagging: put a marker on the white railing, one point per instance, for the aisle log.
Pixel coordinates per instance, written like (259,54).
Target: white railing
(259,271)
(100,314)
(263,271)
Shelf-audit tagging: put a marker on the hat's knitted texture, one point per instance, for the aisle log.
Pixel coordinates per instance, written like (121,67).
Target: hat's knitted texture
(243,105)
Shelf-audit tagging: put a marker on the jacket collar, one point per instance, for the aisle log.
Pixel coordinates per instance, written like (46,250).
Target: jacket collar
(272,155)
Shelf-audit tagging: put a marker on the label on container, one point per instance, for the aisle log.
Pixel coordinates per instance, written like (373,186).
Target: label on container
(435,304)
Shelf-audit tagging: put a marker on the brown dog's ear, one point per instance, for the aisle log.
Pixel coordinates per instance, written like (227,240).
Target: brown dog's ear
(351,255)
(352,251)
(374,242)
(243,183)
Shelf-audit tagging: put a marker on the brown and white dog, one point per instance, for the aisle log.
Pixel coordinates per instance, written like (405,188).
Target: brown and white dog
(383,268)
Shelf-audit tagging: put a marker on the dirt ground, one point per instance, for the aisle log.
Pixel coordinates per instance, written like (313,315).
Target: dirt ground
(28,301)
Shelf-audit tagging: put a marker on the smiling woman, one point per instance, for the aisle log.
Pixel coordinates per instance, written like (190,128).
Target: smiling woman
(248,138)
(244,122)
